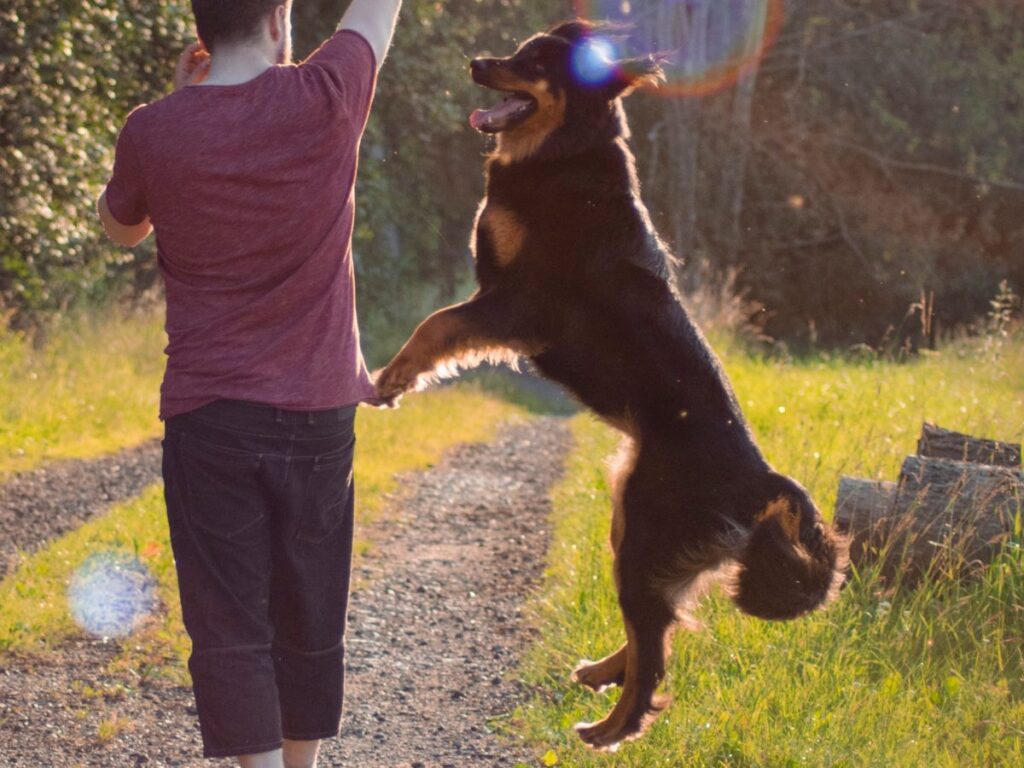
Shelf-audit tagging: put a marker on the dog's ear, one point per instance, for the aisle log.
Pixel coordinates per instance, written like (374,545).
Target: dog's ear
(571,31)
(631,74)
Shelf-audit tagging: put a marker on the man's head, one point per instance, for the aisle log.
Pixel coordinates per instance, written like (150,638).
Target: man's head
(255,22)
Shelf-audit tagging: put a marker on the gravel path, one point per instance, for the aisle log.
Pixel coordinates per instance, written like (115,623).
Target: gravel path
(46,503)
(433,638)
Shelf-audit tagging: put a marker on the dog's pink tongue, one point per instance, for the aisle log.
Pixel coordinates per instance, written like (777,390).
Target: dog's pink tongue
(478,119)
(498,115)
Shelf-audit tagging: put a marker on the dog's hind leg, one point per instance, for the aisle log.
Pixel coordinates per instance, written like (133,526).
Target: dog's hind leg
(611,670)
(649,619)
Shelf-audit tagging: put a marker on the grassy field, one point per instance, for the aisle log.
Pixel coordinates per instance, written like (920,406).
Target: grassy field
(92,388)
(932,678)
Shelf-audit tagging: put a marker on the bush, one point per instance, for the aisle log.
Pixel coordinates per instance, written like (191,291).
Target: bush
(69,73)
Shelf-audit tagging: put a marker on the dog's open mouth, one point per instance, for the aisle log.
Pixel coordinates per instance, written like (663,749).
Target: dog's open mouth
(510,112)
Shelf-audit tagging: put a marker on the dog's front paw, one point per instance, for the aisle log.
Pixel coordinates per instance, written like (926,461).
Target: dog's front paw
(395,380)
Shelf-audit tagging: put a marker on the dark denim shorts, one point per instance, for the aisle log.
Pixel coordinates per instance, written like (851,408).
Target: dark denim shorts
(260,510)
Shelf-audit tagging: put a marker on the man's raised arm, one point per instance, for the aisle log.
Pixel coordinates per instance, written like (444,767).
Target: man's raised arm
(375,20)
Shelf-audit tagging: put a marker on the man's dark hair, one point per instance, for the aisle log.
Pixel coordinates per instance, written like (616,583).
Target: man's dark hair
(227,21)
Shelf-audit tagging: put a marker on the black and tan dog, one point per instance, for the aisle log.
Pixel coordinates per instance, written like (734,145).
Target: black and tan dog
(573,276)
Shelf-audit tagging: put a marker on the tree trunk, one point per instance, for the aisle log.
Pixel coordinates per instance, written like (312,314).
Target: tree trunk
(683,29)
(734,168)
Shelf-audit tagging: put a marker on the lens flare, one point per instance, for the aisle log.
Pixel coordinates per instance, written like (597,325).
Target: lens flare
(593,61)
(708,45)
(110,594)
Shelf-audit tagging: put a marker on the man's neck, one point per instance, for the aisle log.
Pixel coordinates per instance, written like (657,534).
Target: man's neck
(233,65)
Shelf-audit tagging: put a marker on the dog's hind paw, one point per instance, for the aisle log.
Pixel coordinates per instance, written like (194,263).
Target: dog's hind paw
(600,736)
(621,725)
(597,675)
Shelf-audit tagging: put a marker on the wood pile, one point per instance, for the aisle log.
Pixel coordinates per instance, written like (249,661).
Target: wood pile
(955,505)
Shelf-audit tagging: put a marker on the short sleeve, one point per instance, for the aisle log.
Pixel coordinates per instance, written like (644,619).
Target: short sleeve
(350,66)
(125,193)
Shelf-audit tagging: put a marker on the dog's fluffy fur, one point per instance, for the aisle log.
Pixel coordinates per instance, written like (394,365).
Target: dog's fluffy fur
(573,276)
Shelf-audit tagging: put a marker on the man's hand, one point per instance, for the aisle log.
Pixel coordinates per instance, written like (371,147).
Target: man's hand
(193,66)
(375,20)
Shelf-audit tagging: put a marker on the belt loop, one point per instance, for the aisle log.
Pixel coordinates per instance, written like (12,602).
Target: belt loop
(278,416)
(309,418)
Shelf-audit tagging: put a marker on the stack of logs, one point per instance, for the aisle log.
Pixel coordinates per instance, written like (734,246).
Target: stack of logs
(957,502)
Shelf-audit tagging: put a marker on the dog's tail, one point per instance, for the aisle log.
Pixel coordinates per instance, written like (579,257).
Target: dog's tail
(791,562)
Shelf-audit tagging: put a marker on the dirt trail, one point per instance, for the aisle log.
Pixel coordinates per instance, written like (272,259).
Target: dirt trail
(434,636)
(46,503)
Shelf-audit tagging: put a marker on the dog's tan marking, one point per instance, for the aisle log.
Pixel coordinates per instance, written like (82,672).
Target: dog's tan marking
(507,233)
(783,510)
(620,467)
(524,140)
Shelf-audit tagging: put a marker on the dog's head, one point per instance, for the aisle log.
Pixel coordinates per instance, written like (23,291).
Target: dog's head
(552,94)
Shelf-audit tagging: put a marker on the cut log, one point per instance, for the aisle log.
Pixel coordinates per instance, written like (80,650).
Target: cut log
(956,513)
(862,509)
(862,503)
(943,516)
(939,443)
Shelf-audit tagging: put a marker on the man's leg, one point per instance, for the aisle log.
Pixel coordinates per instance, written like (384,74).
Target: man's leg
(310,582)
(263,760)
(220,533)
(300,754)
(295,754)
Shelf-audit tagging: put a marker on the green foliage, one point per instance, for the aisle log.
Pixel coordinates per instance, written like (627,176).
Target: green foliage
(69,72)
(916,679)
(891,122)
(881,162)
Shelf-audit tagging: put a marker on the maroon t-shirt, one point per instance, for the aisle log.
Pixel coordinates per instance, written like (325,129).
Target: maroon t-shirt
(250,191)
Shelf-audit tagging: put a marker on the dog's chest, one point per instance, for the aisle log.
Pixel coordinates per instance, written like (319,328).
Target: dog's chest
(501,234)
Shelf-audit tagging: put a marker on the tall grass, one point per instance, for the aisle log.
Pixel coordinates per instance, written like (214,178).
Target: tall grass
(93,388)
(932,677)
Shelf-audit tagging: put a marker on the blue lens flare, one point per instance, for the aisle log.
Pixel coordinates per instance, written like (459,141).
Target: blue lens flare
(110,594)
(705,45)
(593,61)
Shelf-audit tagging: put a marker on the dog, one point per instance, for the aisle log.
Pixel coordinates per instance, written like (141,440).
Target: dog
(572,275)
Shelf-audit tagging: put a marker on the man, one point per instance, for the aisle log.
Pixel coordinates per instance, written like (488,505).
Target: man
(246,174)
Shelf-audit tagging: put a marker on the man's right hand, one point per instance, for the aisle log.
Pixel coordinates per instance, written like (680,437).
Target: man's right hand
(375,20)
(193,66)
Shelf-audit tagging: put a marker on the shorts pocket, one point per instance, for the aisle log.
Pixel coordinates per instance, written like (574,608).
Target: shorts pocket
(326,501)
(224,498)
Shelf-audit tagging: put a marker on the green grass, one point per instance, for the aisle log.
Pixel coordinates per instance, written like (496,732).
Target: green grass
(930,678)
(93,388)
(34,612)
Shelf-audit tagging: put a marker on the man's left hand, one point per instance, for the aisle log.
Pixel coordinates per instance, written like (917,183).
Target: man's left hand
(193,66)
